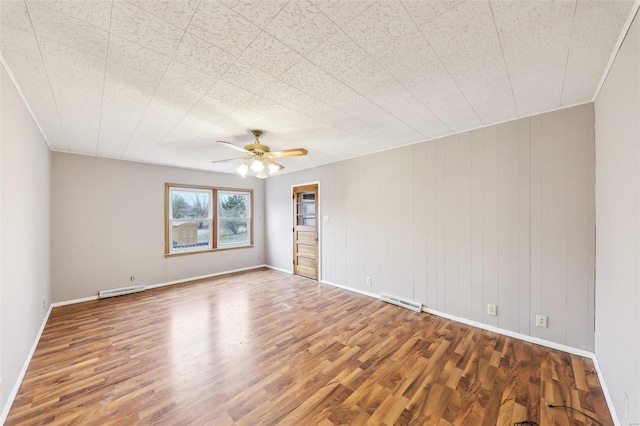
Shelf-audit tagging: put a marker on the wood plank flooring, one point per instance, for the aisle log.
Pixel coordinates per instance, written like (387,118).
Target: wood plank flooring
(264,347)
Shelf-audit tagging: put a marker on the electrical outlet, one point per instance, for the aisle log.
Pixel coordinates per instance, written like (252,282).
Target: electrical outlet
(368,280)
(492,310)
(44,304)
(541,321)
(132,278)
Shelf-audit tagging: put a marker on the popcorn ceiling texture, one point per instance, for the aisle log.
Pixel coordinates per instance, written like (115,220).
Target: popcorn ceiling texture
(159,82)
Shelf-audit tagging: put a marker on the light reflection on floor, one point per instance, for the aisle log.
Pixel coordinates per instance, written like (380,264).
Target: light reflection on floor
(209,332)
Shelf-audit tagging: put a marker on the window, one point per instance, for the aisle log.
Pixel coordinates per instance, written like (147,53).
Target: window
(233,218)
(202,218)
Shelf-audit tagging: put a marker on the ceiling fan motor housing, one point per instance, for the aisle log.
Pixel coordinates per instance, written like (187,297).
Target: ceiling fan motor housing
(257,148)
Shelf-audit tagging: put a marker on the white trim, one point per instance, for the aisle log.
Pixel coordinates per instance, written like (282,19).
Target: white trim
(524,337)
(24,99)
(541,342)
(621,37)
(315,182)
(435,138)
(531,339)
(605,391)
(16,385)
(215,274)
(164,284)
(355,290)
(279,269)
(74,301)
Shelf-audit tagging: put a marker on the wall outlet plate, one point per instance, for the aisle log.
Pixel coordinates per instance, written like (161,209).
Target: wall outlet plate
(368,280)
(541,321)
(492,310)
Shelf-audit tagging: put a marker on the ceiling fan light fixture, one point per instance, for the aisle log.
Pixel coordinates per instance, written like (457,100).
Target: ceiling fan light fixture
(259,157)
(257,166)
(243,169)
(274,168)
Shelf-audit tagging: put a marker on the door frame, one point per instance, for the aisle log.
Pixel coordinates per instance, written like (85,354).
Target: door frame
(319,219)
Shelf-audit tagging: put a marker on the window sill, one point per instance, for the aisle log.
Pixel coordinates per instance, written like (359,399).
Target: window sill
(186,253)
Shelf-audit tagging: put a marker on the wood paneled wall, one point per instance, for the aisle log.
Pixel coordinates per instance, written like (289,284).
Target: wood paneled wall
(501,215)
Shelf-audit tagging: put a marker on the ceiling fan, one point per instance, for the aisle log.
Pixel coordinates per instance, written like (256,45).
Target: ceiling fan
(259,157)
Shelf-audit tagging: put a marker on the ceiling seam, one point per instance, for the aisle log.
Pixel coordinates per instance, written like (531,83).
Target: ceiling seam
(158,17)
(626,28)
(442,62)
(236,59)
(255,95)
(13,79)
(504,60)
(252,103)
(305,57)
(293,170)
(385,70)
(566,63)
(104,81)
(133,133)
(44,4)
(340,29)
(368,99)
(277,78)
(46,73)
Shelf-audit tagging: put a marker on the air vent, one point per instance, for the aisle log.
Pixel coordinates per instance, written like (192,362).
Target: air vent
(103,294)
(408,304)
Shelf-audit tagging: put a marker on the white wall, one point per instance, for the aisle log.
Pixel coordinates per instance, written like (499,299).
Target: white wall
(501,215)
(617,127)
(108,224)
(25,176)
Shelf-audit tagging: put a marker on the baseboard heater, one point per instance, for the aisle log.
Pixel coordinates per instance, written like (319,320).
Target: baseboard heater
(103,294)
(409,304)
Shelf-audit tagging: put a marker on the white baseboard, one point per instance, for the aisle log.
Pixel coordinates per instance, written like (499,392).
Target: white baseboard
(74,301)
(541,342)
(185,280)
(216,274)
(16,385)
(279,269)
(355,290)
(526,338)
(605,391)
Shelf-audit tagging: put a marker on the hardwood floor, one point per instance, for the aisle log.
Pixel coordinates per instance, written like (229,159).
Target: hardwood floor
(264,347)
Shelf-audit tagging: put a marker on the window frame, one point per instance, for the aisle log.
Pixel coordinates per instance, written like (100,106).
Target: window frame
(217,219)
(209,219)
(213,246)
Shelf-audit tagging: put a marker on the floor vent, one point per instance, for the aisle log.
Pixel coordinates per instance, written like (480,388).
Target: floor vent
(103,294)
(409,304)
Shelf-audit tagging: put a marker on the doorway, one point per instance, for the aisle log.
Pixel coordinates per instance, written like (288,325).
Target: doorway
(305,231)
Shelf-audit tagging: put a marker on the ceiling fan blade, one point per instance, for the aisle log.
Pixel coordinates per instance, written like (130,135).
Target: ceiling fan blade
(236,147)
(273,166)
(230,159)
(288,153)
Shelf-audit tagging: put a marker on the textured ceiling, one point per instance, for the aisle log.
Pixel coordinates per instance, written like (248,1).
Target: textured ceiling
(161,81)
